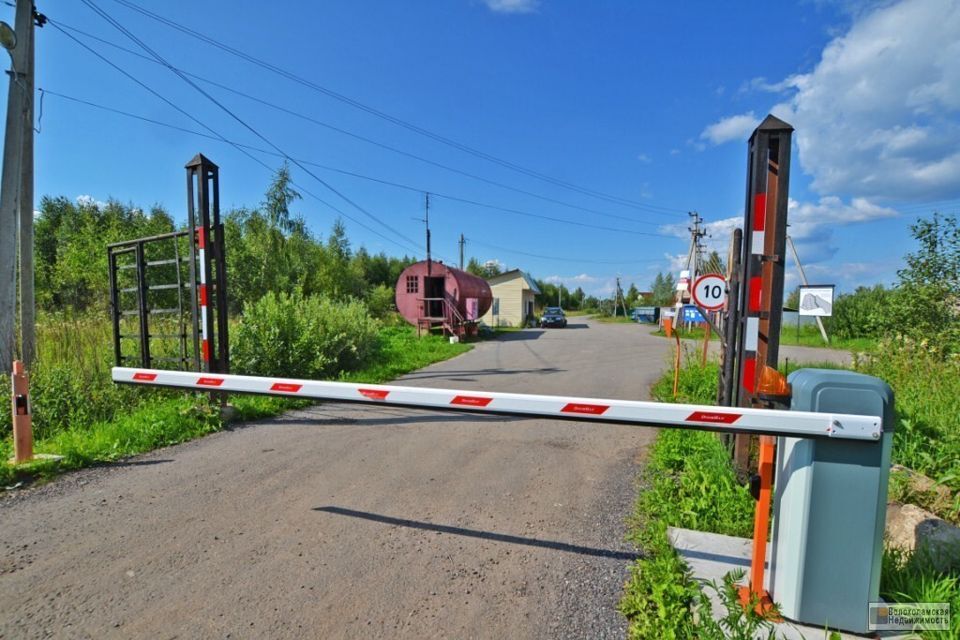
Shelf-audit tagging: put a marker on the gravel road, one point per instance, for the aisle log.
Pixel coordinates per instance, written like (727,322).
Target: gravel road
(347,521)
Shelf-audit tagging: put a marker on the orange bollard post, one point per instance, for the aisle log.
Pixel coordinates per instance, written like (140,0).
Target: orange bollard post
(22,421)
(755,592)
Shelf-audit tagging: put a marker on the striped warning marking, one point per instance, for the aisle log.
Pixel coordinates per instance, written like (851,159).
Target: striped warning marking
(145,377)
(588,409)
(713,416)
(471,401)
(286,387)
(210,382)
(374,394)
(759,222)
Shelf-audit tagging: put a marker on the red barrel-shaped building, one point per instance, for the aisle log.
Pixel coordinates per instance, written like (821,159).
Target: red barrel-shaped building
(432,295)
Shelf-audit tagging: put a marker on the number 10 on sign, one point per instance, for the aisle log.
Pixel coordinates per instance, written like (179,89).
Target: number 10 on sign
(710,291)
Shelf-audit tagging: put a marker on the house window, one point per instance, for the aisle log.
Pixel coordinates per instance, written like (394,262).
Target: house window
(413,284)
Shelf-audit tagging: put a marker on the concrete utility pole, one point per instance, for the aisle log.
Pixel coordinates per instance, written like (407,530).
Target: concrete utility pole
(462,242)
(16,173)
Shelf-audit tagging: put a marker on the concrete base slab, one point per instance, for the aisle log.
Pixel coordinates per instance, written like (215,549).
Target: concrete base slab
(711,556)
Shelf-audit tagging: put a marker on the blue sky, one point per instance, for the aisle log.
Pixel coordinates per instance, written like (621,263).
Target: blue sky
(648,102)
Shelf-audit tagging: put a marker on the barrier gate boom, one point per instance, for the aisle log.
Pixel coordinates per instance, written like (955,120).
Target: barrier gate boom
(800,424)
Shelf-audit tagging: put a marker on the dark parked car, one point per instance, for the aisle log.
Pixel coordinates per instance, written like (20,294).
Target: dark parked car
(553,317)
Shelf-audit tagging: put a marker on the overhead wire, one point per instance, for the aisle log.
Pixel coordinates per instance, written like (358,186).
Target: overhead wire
(398,185)
(393,149)
(113,22)
(398,121)
(559,258)
(220,137)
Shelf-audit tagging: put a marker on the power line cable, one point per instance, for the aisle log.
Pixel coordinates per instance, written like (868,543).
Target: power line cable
(559,258)
(218,136)
(395,120)
(286,156)
(354,174)
(365,139)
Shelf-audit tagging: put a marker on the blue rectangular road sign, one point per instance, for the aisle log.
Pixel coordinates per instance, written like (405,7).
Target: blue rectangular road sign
(692,314)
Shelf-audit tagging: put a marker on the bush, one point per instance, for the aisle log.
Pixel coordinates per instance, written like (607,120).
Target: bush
(926,384)
(303,337)
(865,313)
(380,301)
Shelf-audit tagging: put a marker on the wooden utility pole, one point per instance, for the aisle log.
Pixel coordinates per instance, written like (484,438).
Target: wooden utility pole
(462,242)
(426,222)
(12,181)
(28,337)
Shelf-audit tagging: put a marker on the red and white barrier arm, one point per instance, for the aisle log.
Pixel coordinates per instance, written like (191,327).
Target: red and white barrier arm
(655,414)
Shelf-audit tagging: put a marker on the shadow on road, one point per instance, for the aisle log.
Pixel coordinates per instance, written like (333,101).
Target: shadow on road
(578,326)
(516,336)
(483,535)
(393,419)
(478,372)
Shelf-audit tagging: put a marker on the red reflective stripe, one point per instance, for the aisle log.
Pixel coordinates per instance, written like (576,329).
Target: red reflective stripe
(750,374)
(711,416)
(756,290)
(759,211)
(210,382)
(146,377)
(471,401)
(286,386)
(205,345)
(591,409)
(201,238)
(203,294)
(374,394)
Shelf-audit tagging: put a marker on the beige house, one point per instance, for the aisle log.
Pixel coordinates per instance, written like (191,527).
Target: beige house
(513,297)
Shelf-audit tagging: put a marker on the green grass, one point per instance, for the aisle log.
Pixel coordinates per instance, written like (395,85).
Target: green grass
(615,319)
(689,482)
(401,351)
(81,415)
(809,337)
(926,387)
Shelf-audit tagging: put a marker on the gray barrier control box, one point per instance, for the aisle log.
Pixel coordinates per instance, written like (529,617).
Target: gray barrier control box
(830,506)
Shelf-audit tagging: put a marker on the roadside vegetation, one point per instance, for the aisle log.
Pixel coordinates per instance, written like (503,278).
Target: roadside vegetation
(300,306)
(689,482)
(910,337)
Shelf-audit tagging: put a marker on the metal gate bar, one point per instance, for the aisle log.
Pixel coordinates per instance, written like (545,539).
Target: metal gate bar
(651,414)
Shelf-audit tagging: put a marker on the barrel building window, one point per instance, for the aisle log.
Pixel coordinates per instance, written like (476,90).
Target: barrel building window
(412,284)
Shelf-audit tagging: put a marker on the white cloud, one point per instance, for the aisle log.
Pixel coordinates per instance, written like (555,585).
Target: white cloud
(644,158)
(877,116)
(85,200)
(513,6)
(736,127)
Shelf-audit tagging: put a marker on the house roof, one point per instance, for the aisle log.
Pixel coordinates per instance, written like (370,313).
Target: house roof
(510,275)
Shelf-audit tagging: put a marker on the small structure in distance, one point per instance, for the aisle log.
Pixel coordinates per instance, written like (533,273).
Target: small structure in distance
(430,295)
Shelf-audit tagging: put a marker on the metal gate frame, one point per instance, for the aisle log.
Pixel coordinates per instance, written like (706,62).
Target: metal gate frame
(205,346)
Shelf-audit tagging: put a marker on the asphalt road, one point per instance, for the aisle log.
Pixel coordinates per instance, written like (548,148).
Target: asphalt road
(347,521)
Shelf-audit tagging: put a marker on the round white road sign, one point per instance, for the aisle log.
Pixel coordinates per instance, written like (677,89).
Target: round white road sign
(710,291)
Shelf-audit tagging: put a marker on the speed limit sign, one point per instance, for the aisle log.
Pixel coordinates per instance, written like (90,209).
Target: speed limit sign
(710,291)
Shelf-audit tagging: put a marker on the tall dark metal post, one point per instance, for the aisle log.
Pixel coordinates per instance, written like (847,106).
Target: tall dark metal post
(763,255)
(143,308)
(192,244)
(203,191)
(727,396)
